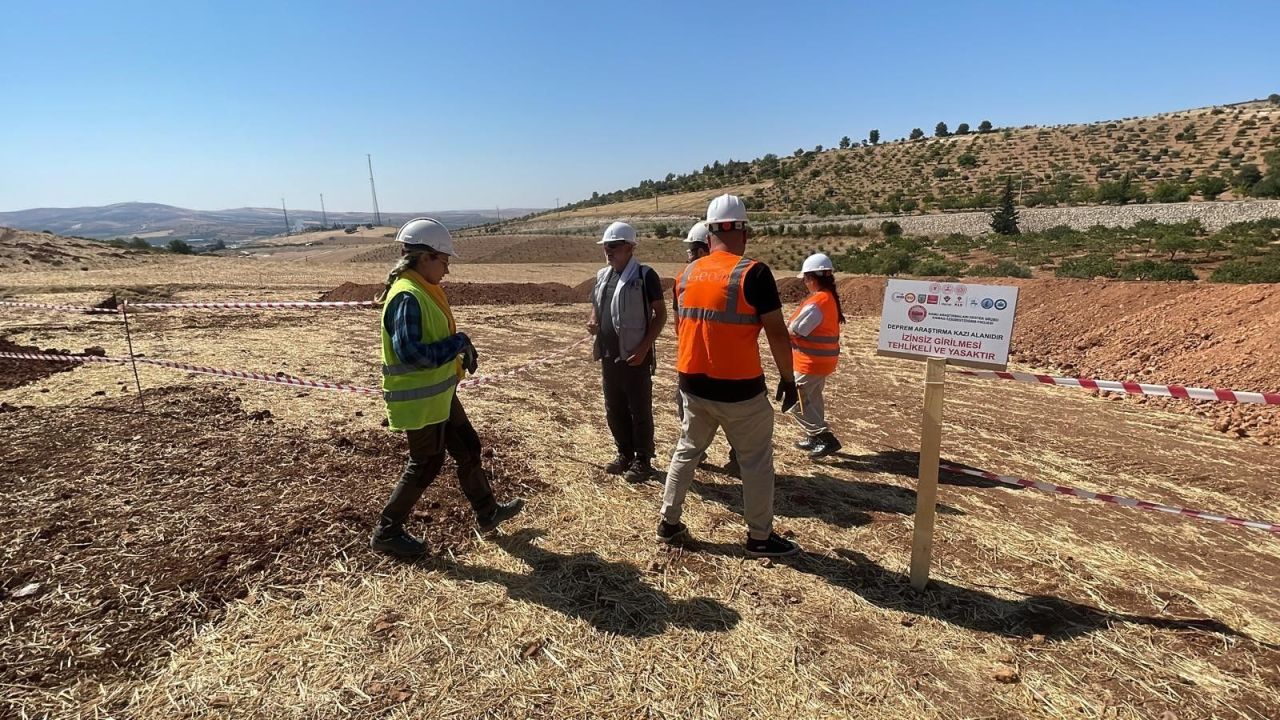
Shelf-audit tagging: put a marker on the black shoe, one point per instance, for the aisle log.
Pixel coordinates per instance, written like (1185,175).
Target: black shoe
(775,546)
(500,514)
(826,444)
(807,443)
(732,467)
(668,533)
(619,464)
(393,540)
(641,469)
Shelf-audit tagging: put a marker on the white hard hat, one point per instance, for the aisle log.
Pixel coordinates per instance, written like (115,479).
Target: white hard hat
(727,208)
(429,232)
(698,233)
(619,232)
(817,262)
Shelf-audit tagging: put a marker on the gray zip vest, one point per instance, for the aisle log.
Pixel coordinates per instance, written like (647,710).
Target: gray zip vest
(630,313)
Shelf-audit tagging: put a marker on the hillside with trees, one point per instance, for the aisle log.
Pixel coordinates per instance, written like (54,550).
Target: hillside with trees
(1226,152)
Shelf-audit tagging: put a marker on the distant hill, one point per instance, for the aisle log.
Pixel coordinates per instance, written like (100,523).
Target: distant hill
(1168,157)
(161,223)
(22,250)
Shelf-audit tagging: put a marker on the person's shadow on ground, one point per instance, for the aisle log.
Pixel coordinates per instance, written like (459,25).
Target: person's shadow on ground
(1051,617)
(907,464)
(839,502)
(609,595)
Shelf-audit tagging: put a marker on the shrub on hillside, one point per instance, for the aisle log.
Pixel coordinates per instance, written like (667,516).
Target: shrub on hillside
(1152,270)
(984,126)
(1168,191)
(1003,268)
(661,230)
(889,228)
(1248,271)
(916,133)
(874,137)
(932,267)
(967,160)
(940,130)
(1210,186)
(1088,267)
(139,244)
(962,129)
(179,247)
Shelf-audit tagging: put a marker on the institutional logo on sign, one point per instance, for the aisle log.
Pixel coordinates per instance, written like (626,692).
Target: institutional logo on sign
(935,287)
(898,297)
(988,303)
(931,300)
(911,297)
(1001,304)
(917,313)
(961,290)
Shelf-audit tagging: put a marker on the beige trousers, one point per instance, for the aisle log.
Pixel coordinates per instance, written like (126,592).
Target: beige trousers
(748,425)
(809,412)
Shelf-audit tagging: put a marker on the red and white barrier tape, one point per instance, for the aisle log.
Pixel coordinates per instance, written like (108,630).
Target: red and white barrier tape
(1115,499)
(299,304)
(317,305)
(51,357)
(1169,391)
(64,308)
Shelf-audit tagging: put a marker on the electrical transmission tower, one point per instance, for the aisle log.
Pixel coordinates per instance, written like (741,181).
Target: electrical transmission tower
(377,216)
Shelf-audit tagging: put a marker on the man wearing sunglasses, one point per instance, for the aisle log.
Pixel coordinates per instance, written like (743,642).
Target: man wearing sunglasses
(723,302)
(627,315)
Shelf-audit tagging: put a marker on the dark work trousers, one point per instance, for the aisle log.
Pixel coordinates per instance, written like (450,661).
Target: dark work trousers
(427,447)
(628,406)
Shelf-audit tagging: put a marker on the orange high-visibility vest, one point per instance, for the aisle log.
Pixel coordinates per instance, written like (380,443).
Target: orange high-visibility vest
(718,328)
(819,352)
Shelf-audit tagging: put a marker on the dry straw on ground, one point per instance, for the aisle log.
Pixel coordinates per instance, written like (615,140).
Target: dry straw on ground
(1041,606)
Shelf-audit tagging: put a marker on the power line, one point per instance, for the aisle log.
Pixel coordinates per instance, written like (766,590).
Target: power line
(323,214)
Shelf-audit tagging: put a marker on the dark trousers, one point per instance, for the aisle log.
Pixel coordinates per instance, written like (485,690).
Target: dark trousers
(427,447)
(628,406)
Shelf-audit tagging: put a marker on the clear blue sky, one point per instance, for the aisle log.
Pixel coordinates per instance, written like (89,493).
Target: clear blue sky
(474,104)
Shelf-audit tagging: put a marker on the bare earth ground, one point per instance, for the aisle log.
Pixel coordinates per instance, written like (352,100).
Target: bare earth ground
(204,557)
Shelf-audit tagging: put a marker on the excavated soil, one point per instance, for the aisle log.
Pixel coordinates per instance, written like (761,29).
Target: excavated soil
(115,549)
(16,373)
(1193,334)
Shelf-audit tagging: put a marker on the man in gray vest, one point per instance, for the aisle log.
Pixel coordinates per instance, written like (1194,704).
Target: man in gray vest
(627,315)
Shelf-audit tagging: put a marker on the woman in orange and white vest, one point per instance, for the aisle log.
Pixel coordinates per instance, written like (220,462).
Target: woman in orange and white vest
(815,352)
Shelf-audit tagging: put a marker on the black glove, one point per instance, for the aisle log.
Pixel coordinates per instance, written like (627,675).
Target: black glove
(787,393)
(468,354)
(470,359)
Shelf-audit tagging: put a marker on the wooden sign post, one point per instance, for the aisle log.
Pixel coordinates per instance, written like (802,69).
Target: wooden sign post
(927,487)
(941,323)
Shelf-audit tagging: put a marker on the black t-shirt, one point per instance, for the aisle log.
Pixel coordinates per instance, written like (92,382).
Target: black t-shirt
(608,333)
(761,291)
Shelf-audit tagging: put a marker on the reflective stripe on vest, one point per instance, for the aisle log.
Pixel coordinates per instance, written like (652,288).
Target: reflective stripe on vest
(420,393)
(816,352)
(730,313)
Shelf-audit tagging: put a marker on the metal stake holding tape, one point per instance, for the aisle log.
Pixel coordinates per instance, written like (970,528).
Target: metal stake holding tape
(927,488)
(124,313)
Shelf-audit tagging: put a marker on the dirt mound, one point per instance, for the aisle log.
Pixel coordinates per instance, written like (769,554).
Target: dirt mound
(1194,334)
(473,293)
(15,373)
(25,250)
(159,542)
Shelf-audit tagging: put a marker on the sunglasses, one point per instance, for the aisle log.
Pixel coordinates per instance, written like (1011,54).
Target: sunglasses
(616,244)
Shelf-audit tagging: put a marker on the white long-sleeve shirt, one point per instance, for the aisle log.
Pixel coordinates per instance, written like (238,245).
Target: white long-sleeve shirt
(806,321)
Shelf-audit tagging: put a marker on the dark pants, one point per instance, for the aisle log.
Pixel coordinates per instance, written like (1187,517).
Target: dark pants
(427,447)
(628,406)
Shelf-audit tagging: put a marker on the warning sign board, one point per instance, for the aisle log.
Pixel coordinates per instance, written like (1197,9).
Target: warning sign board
(966,324)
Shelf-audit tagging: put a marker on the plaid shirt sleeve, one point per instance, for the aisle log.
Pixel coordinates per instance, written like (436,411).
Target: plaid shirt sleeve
(404,324)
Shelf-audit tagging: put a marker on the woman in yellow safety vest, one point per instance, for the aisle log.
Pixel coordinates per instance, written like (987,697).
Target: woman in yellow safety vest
(815,351)
(423,358)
